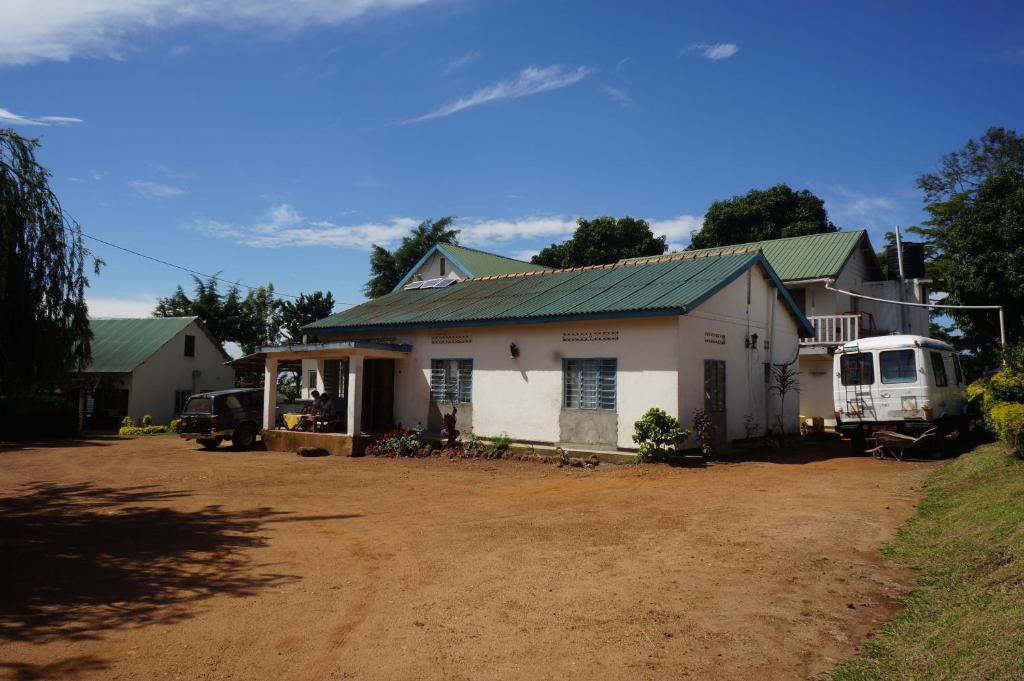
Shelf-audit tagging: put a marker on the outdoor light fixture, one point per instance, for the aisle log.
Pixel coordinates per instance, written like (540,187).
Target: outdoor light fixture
(513,350)
(753,341)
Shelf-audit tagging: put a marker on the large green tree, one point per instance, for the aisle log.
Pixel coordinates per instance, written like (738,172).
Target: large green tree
(388,267)
(305,309)
(44,324)
(603,240)
(975,236)
(762,214)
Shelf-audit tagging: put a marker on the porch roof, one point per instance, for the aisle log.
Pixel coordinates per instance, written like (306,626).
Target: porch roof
(292,354)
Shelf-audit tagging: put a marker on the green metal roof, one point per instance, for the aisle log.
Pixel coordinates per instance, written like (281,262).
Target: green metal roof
(669,286)
(120,345)
(804,257)
(474,263)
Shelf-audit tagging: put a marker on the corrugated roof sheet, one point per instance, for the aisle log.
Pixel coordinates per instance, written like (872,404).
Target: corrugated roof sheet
(484,264)
(668,286)
(120,345)
(801,257)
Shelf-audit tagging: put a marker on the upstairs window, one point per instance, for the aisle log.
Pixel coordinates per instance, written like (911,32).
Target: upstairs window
(589,383)
(444,264)
(190,346)
(451,381)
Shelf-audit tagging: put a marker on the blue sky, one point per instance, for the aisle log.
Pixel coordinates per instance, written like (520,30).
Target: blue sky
(276,140)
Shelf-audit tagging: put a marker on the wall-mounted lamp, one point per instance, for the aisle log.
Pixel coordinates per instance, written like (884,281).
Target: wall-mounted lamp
(513,350)
(751,341)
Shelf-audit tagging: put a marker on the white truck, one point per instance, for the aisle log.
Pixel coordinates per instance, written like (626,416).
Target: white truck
(901,383)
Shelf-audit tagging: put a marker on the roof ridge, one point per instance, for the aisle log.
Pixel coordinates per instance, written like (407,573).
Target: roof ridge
(669,257)
(442,244)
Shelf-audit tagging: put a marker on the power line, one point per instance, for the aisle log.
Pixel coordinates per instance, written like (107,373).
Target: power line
(192,271)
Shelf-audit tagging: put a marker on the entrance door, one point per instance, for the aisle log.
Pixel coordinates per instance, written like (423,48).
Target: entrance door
(714,397)
(378,395)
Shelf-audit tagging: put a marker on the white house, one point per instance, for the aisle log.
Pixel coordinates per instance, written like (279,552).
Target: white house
(147,366)
(571,357)
(812,265)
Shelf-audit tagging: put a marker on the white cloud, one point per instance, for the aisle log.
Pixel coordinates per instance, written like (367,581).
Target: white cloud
(32,31)
(714,51)
(851,209)
(462,61)
(525,255)
(10,118)
(484,232)
(154,190)
(141,305)
(677,228)
(617,95)
(620,65)
(530,81)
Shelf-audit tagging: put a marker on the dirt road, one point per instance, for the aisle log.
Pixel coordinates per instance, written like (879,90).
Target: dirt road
(150,559)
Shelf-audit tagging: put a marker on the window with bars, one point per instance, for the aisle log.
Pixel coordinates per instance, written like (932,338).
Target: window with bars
(714,386)
(451,381)
(589,383)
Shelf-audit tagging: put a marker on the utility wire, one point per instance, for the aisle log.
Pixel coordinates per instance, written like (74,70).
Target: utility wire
(192,271)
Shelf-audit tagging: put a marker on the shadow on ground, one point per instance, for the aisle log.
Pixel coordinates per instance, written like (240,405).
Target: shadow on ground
(69,668)
(76,560)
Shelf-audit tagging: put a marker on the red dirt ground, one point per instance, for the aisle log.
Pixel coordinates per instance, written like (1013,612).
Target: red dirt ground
(152,559)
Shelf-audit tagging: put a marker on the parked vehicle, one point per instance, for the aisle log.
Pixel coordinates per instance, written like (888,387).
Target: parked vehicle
(235,415)
(900,383)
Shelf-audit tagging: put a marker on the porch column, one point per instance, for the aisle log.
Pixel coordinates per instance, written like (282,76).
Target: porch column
(354,395)
(270,392)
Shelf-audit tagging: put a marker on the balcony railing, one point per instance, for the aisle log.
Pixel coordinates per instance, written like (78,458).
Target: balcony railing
(834,329)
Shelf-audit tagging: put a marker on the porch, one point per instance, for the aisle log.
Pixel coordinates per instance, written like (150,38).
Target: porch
(836,329)
(363,394)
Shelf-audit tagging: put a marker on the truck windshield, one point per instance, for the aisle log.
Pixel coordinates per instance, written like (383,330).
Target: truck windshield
(198,405)
(898,366)
(857,369)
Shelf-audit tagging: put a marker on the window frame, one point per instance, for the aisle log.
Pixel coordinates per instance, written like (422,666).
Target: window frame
(597,392)
(958,369)
(190,345)
(881,367)
(461,387)
(860,364)
(939,373)
(715,386)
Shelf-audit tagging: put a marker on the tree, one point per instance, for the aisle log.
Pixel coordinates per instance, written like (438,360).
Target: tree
(260,321)
(45,329)
(973,237)
(603,240)
(762,214)
(389,267)
(222,315)
(305,310)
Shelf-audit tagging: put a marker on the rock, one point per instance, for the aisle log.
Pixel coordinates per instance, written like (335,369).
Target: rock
(576,462)
(312,451)
(593,460)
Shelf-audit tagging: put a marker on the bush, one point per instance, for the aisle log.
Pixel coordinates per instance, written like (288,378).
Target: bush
(144,430)
(398,442)
(979,405)
(147,420)
(705,429)
(127,422)
(175,423)
(499,445)
(658,434)
(37,417)
(1009,425)
(1007,385)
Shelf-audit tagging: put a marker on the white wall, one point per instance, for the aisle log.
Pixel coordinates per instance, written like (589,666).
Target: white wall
(431,269)
(660,364)
(155,380)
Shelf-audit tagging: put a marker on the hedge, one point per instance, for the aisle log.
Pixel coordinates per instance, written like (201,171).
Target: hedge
(40,417)
(1008,419)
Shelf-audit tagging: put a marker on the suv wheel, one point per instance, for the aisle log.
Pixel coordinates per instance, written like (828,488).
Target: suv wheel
(210,443)
(245,436)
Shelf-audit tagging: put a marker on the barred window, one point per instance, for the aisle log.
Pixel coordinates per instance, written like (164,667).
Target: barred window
(451,380)
(589,383)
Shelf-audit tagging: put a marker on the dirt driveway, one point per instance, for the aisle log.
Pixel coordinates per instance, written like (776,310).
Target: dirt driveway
(150,559)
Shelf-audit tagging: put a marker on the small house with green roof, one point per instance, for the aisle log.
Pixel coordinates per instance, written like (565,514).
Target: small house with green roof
(567,357)
(147,366)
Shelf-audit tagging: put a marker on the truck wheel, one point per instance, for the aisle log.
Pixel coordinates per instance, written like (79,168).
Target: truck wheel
(210,443)
(245,436)
(858,443)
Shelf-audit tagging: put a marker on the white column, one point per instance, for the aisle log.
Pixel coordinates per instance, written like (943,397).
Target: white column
(354,395)
(270,392)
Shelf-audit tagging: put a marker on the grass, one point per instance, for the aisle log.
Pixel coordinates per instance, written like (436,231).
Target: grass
(965,619)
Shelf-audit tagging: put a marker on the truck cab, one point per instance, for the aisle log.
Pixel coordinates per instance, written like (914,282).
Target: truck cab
(902,383)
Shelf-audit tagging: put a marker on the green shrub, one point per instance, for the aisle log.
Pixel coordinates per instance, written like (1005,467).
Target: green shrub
(658,433)
(174,424)
(499,445)
(1007,385)
(1008,419)
(144,430)
(40,417)
(147,420)
(127,422)
(979,405)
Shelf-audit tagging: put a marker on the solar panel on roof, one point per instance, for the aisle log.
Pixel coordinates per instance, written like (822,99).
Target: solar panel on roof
(444,282)
(415,284)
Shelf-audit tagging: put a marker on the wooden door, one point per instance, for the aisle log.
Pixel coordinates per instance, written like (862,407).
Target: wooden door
(714,397)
